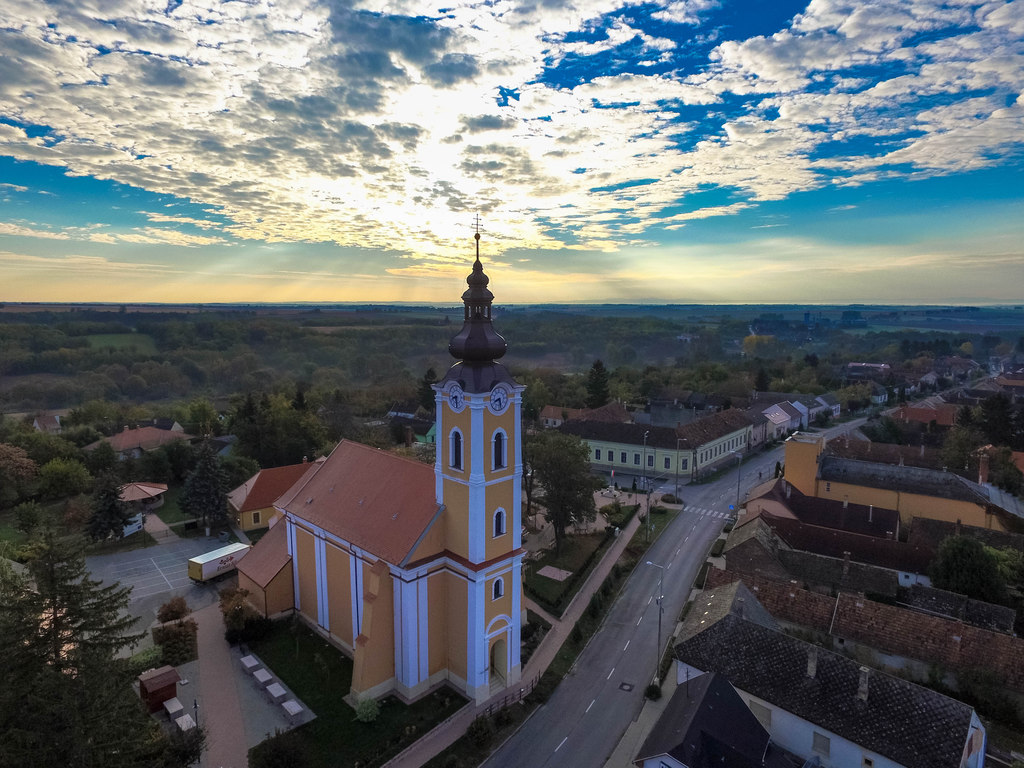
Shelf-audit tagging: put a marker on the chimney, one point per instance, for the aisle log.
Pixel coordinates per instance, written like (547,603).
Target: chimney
(789,490)
(862,686)
(871,509)
(812,661)
(846,502)
(983,467)
(739,607)
(846,564)
(408,436)
(957,527)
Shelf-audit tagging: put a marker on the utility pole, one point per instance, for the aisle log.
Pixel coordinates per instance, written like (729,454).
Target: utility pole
(646,433)
(739,466)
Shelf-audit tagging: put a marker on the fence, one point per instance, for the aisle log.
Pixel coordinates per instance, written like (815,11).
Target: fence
(509,699)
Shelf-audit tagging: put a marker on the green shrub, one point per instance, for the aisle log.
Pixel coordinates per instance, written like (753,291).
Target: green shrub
(576,636)
(367,710)
(177,641)
(481,732)
(143,660)
(657,509)
(717,547)
(653,692)
(669,498)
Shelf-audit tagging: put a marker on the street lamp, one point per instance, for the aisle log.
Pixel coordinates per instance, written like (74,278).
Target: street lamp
(644,469)
(661,595)
(678,440)
(739,466)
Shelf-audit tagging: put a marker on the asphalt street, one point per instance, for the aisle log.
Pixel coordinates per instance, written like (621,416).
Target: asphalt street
(584,719)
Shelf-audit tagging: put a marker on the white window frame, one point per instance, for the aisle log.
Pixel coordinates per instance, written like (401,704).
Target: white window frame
(455,438)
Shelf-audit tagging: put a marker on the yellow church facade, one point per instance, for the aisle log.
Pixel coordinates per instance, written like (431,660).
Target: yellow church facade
(416,570)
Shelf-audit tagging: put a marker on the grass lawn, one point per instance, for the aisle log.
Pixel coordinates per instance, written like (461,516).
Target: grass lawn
(170,512)
(321,675)
(579,555)
(142,342)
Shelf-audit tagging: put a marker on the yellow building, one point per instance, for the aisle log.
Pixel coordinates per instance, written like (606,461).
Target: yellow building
(416,571)
(911,491)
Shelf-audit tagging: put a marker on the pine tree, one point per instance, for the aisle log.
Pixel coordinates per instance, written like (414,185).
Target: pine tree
(425,393)
(109,513)
(66,699)
(761,381)
(597,386)
(204,495)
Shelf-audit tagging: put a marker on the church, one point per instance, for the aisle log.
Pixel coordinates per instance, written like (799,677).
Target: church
(414,571)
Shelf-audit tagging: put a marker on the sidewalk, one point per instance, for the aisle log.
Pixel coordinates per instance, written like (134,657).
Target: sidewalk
(158,529)
(220,713)
(448,732)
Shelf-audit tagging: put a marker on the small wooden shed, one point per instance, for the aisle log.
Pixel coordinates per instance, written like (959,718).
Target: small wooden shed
(157,686)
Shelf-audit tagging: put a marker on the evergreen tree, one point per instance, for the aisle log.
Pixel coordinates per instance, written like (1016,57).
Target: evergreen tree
(425,393)
(109,513)
(66,699)
(205,494)
(597,386)
(761,381)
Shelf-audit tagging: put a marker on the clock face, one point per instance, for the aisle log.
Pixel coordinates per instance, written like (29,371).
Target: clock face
(499,399)
(456,398)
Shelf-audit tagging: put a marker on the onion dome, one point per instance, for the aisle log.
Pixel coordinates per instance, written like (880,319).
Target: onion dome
(477,342)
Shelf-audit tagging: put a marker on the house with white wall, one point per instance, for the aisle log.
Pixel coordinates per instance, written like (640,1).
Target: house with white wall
(818,704)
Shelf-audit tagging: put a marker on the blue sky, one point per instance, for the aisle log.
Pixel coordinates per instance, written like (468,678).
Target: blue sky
(675,151)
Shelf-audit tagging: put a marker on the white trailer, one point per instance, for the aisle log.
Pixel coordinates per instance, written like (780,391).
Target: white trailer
(223,560)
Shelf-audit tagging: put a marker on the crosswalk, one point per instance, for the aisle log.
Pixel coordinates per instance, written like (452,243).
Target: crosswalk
(704,512)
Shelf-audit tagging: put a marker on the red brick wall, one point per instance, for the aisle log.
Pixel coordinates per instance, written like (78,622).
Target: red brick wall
(888,628)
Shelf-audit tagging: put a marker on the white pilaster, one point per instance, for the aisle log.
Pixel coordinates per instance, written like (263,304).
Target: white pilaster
(323,610)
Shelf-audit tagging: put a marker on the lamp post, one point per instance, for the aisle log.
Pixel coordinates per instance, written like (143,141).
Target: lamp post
(678,440)
(644,469)
(739,467)
(661,595)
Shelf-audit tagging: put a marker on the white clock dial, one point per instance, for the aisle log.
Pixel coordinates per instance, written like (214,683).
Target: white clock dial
(499,399)
(456,398)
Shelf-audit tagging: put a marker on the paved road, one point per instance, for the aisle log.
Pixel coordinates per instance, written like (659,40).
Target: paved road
(586,716)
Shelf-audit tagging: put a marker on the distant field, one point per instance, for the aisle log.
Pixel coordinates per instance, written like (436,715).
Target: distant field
(142,342)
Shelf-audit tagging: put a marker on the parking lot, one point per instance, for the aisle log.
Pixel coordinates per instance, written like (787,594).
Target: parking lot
(158,573)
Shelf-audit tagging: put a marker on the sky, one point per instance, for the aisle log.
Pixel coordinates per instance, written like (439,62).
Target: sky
(677,151)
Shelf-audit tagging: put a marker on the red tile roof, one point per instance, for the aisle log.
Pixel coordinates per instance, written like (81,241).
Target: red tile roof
(267,556)
(142,491)
(266,486)
(375,500)
(143,438)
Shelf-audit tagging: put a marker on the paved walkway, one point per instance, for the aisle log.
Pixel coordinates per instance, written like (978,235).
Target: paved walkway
(448,732)
(158,529)
(221,712)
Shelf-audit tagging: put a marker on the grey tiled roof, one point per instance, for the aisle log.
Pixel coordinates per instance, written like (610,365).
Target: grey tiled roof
(907,723)
(927,482)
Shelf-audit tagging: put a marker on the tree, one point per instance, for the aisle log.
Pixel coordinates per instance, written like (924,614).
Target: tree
(960,449)
(205,494)
(761,381)
(561,464)
(63,477)
(66,698)
(102,458)
(16,471)
(425,392)
(996,420)
(964,565)
(597,385)
(108,513)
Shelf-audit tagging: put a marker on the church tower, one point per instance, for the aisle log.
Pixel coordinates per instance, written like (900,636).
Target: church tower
(478,475)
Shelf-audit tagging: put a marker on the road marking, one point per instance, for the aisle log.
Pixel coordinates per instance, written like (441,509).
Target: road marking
(561,743)
(610,674)
(686,539)
(161,572)
(639,620)
(588,708)
(626,645)
(649,599)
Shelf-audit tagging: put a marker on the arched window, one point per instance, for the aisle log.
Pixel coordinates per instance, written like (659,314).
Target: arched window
(499,523)
(456,449)
(499,588)
(499,450)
